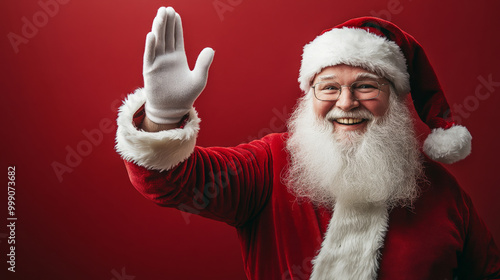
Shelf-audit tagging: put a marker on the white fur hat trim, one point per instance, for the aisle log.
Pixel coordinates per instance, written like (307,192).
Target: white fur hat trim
(354,47)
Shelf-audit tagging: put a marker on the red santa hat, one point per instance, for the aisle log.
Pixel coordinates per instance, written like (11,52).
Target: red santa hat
(381,47)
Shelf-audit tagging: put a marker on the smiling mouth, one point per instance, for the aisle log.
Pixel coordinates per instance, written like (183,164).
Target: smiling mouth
(349,121)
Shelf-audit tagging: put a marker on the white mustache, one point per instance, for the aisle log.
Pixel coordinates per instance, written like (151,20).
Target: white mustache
(337,113)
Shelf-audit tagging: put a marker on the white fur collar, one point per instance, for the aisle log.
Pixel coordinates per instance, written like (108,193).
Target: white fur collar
(351,246)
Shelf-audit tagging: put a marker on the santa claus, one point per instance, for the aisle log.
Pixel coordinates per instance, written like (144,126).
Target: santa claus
(346,192)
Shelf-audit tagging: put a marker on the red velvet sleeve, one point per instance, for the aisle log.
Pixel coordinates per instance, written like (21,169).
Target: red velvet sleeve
(225,184)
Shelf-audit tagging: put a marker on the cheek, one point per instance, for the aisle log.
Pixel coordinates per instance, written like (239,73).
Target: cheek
(378,111)
(321,108)
(377,107)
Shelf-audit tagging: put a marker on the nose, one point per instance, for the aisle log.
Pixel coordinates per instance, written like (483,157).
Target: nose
(346,101)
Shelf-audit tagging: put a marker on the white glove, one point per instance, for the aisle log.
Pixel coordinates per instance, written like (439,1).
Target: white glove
(171,87)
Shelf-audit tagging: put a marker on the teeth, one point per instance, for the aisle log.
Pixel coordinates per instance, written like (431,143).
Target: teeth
(349,121)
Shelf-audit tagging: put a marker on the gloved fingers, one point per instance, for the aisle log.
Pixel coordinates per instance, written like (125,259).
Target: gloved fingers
(159,30)
(149,50)
(170,30)
(179,37)
(203,63)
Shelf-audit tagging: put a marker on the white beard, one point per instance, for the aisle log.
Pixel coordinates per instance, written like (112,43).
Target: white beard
(380,166)
(360,174)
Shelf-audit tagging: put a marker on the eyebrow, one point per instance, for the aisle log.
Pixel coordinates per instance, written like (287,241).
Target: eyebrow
(368,75)
(358,76)
(326,77)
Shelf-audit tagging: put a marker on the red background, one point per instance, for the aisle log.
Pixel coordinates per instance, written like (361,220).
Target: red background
(70,76)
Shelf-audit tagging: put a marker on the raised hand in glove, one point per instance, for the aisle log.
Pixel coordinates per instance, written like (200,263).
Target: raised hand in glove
(171,87)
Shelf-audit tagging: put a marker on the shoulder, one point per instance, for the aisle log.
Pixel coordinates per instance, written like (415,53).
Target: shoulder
(276,140)
(439,177)
(440,186)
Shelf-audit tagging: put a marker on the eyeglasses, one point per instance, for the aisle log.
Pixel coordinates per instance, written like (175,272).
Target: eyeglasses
(362,90)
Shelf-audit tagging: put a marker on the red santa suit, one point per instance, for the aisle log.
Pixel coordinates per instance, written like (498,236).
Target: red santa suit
(441,237)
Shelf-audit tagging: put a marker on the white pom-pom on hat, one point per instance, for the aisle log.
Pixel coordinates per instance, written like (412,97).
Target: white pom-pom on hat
(448,145)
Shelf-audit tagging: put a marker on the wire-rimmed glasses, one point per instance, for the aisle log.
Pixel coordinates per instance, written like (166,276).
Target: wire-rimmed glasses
(362,90)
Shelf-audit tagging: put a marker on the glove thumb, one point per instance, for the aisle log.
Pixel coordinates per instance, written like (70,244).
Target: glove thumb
(203,63)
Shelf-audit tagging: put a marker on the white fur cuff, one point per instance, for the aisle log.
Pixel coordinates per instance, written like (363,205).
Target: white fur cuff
(448,145)
(161,150)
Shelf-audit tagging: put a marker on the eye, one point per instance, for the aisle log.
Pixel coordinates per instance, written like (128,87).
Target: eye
(328,86)
(365,85)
